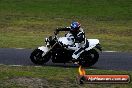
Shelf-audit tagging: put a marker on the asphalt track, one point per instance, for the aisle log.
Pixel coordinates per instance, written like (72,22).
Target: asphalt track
(107,60)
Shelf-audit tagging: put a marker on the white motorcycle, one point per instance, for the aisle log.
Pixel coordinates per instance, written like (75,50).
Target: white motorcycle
(56,49)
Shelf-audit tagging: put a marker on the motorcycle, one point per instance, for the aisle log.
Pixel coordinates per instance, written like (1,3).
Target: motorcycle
(57,51)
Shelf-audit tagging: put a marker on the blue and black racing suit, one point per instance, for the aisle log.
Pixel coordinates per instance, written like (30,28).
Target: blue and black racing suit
(79,38)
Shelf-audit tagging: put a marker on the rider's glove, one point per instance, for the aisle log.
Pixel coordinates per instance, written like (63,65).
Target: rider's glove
(56,31)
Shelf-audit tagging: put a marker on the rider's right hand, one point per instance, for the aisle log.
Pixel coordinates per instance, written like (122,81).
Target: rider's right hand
(56,32)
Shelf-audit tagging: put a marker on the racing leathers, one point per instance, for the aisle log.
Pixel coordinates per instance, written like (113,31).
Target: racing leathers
(80,42)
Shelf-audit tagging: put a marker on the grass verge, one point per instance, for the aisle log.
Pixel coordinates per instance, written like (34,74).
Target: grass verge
(50,77)
(24,23)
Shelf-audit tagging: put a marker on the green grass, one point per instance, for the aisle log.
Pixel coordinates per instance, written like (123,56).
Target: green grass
(25,23)
(50,77)
(119,9)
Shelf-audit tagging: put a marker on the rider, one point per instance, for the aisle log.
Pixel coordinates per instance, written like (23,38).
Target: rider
(80,43)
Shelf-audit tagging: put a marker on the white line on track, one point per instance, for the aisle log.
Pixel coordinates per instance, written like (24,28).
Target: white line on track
(16,65)
(110,51)
(19,48)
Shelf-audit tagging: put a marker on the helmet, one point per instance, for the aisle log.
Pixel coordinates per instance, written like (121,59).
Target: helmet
(75,26)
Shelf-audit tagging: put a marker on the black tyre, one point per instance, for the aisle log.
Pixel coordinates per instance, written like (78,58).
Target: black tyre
(89,58)
(36,57)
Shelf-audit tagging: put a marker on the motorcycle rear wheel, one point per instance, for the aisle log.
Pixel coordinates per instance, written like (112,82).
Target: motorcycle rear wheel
(89,58)
(36,57)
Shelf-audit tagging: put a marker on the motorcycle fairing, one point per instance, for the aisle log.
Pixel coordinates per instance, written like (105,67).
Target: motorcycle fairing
(92,43)
(66,40)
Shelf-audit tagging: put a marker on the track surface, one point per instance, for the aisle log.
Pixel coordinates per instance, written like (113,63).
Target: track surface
(107,60)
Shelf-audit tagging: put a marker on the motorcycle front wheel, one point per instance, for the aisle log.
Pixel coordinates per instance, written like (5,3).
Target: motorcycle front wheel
(36,57)
(89,58)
